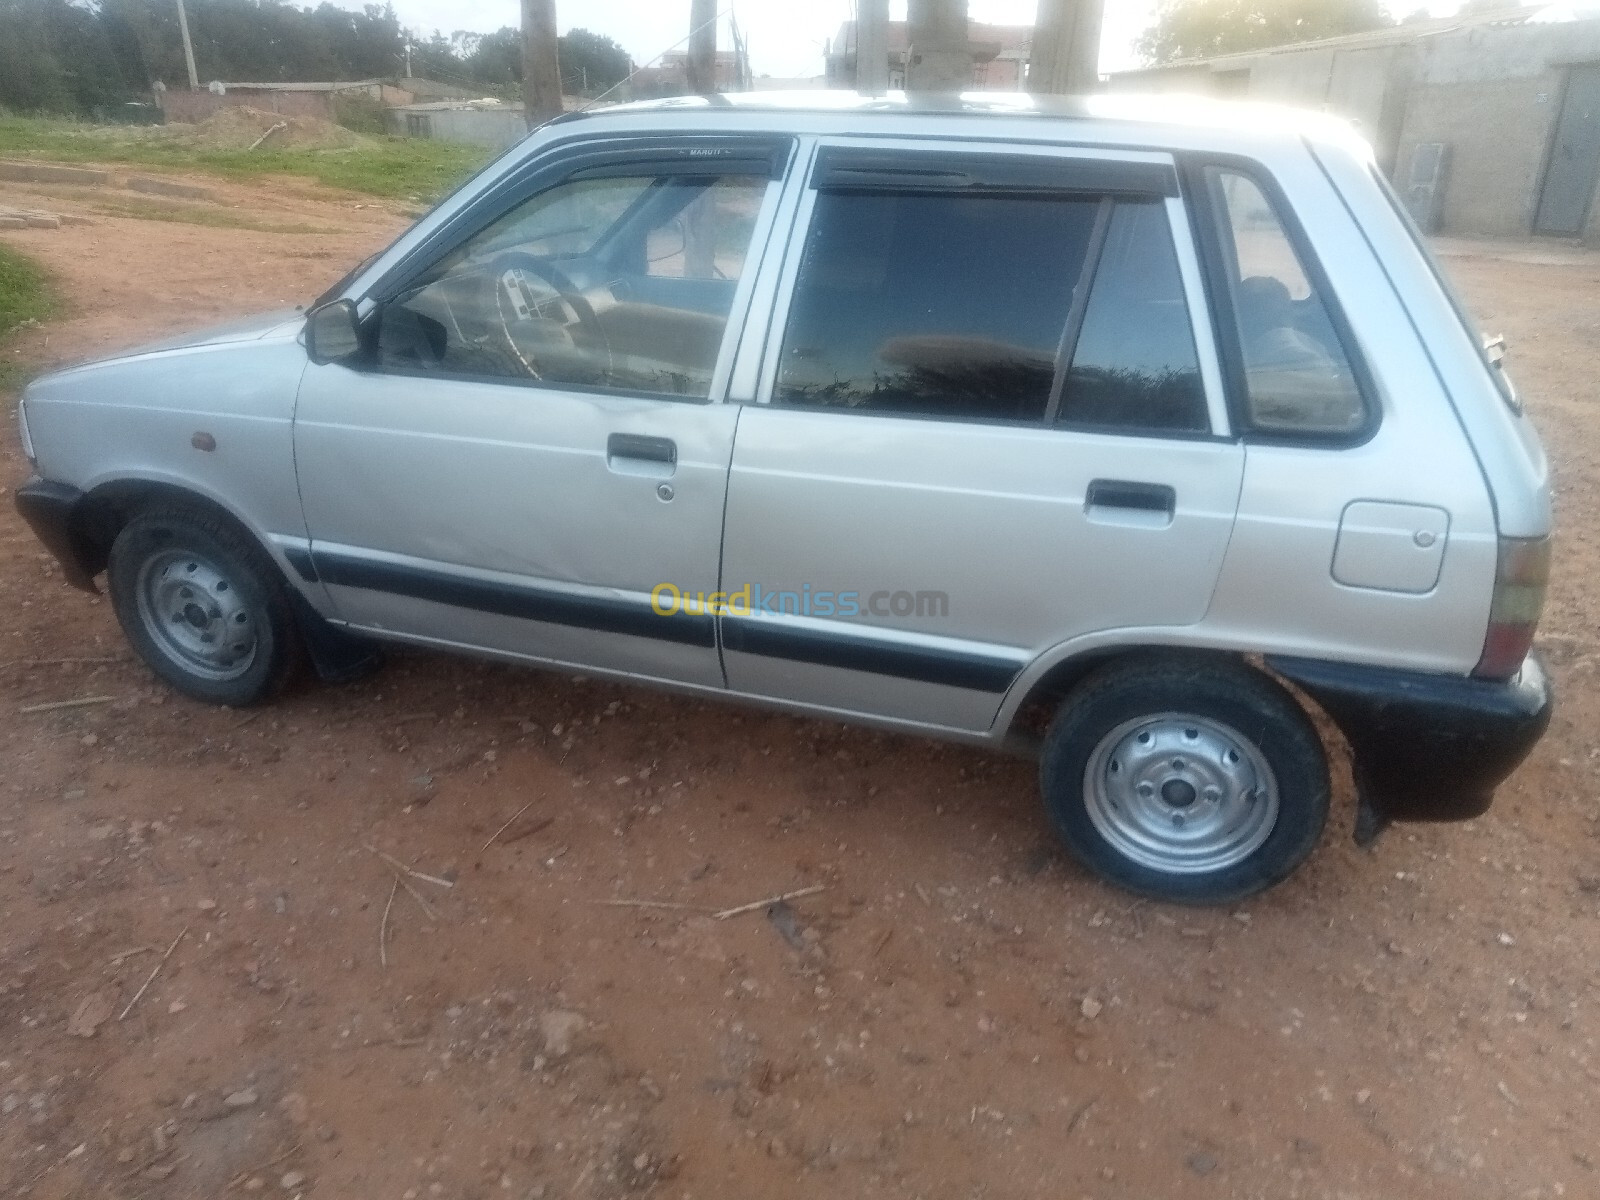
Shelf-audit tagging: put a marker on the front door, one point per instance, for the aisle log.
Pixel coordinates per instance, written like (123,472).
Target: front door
(987,430)
(534,441)
(1569,179)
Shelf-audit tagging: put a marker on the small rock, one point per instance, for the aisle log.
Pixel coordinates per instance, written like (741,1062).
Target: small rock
(176,1007)
(292,1180)
(1091,1007)
(91,1013)
(559,1028)
(1505,939)
(254,1184)
(296,1107)
(206,906)
(243,1098)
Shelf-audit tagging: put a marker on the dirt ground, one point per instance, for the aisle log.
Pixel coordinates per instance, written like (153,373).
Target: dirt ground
(958,1012)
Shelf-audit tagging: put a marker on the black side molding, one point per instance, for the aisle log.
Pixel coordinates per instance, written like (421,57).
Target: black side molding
(52,511)
(876,656)
(636,618)
(1426,747)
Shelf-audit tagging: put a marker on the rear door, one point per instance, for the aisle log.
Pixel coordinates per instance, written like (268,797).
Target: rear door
(984,425)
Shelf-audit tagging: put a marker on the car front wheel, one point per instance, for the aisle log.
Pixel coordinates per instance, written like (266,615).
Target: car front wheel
(1189,780)
(202,605)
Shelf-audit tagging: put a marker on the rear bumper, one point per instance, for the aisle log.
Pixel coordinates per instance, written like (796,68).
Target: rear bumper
(53,512)
(1426,747)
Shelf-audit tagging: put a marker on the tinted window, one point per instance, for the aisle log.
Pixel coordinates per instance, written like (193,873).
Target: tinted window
(934,304)
(621,283)
(1134,365)
(1298,378)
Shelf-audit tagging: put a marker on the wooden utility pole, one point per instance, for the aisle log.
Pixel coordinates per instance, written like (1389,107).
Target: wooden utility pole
(188,48)
(702,47)
(1066,47)
(941,55)
(541,67)
(872,46)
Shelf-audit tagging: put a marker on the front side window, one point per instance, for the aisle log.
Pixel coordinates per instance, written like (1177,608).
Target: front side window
(622,282)
(1064,307)
(1298,379)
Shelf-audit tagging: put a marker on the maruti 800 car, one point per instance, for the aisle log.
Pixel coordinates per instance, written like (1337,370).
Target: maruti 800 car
(1148,427)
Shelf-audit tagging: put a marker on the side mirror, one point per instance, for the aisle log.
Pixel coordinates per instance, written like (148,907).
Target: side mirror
(331,332)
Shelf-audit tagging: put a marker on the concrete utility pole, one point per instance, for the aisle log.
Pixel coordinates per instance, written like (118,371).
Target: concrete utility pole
(702,47)
(1066,47)
(872,46)
(941,57)
(541,68)
(188,48)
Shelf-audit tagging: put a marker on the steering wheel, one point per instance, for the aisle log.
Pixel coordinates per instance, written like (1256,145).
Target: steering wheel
(534,299)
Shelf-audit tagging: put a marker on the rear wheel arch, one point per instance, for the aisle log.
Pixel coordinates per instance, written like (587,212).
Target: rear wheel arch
(1046,693)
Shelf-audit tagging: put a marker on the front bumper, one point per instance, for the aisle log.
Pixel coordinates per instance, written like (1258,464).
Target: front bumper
(1426,747)
(53,511)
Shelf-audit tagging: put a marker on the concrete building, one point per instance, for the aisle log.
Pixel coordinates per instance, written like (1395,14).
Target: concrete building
(476,122)
(300,99)
(1487,125)
(999,55)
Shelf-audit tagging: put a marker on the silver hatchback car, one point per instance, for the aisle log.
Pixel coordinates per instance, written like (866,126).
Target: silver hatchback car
(1138,433)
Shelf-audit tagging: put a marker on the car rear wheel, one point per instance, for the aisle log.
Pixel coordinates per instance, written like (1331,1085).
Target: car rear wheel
(202,605)
(1185,779)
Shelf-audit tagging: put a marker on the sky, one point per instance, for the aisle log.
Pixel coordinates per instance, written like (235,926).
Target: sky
(785,37)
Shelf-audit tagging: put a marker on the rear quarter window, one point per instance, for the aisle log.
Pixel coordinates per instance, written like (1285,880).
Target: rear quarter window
(1298,377)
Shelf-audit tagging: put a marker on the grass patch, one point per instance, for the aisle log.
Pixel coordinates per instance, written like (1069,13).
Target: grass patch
(215,218)
(25,296)
(394,168)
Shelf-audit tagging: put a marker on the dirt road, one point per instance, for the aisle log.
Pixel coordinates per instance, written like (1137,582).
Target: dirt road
(959,1012)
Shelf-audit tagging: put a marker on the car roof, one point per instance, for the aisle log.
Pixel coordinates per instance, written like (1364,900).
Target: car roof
(1122,116)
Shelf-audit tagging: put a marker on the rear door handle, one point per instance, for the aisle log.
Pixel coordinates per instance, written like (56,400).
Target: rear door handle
(640,454)
(1127,502)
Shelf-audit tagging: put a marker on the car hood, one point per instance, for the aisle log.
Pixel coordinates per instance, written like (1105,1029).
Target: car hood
(248,329)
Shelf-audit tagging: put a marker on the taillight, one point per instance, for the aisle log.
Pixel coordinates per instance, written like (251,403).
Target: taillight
(1522,571)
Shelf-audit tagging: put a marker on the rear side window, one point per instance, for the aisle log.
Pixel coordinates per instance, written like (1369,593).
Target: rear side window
(934,304)
(1298,379)
(1134,364)
(1028,308)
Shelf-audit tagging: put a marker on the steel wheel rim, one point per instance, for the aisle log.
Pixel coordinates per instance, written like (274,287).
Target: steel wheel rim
(1181,794)
(196,615)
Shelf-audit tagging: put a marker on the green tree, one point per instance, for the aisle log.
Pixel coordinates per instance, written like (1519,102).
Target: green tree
(591,63)
(1203,28)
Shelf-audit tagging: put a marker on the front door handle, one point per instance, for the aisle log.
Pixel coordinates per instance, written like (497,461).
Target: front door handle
(640,454)
(1123,501)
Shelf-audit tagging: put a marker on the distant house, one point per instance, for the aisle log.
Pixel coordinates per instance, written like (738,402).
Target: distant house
(482,122)
(999,55)
(300,99)
(1487,124)
(670,76)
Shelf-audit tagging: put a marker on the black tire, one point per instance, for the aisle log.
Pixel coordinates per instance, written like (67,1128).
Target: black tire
(190,559)
(1252,793)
